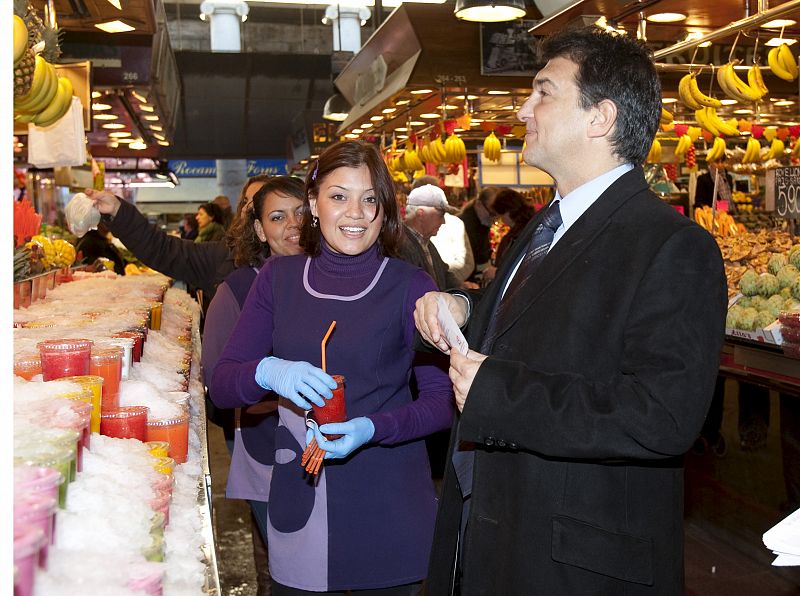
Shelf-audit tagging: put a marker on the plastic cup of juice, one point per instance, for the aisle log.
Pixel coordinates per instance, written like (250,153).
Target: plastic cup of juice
(129,422)
(27,365)
(138,342)
(174,431)
(126,343)
(28,541)
(64,357)
(56,457)
(164,482)
(164,465)
(334,409)
(37,480)
(38,510)
(180,398)
(155,316)
(93,383)
(106,362)
(160,502)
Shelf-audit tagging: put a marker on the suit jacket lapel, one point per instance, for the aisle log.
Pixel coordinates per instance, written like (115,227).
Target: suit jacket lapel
(569,247)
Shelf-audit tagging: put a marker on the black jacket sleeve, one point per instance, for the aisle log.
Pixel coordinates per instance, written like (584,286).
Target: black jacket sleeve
(198,264)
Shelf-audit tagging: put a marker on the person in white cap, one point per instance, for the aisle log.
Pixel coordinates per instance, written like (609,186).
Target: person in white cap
(425,209)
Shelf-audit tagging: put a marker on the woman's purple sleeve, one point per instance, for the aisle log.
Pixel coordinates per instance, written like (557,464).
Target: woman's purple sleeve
(233,383)
(434,407)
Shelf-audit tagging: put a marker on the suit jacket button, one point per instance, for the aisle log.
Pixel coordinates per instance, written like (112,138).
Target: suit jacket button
(512,446)
(501,443)
(488,441)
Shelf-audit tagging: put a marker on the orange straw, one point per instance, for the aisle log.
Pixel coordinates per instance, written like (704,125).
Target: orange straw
(324,341)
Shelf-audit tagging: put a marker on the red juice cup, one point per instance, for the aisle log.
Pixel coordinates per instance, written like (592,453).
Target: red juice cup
(174,431)
(106,362)
(138,343)
(64,357)
(334,409)
(28,540)
(27,365)
(125,423)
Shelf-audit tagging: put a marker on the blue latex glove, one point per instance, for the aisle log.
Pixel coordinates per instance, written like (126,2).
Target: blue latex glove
(354,433)
(297,381)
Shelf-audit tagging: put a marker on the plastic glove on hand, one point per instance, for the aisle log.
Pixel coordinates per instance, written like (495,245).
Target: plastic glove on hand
(300,382)
(354,433)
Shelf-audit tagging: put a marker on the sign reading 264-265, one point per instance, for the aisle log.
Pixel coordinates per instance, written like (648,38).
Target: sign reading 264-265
(787,192)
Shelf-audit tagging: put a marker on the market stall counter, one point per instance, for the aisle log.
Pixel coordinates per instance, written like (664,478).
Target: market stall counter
(111,475)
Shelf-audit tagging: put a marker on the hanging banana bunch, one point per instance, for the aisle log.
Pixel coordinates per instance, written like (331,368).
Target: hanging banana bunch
(412,160)
(735,88)
(752,153)
(654,155)
(776,150)
(782,63)
(437,151)
(455,150)
(708,118)
(684,142)
(491,147)
(692,97)
(717,149)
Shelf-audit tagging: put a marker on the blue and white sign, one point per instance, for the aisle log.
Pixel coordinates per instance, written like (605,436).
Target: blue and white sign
(207,168)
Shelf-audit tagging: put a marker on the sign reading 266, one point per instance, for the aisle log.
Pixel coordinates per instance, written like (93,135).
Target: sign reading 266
(787,192)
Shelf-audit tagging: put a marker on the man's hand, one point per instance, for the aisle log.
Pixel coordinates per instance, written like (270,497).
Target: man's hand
(462,373)
(427,321)
(104,201)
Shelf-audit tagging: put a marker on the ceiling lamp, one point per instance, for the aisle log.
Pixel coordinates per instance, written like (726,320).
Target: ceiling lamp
(778,23)
(489,11)
(666,17)
(336,108)
(777,41)
(99,107)
(420,92)
(105,116)
(115,27)
(138,145)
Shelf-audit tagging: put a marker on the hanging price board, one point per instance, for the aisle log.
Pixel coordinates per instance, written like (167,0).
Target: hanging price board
(787,192)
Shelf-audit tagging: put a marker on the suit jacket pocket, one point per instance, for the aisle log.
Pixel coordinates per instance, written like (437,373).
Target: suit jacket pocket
(622,556)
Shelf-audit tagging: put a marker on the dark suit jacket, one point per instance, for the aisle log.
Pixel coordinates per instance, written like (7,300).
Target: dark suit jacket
(594,389)
(411,251)
(704,191)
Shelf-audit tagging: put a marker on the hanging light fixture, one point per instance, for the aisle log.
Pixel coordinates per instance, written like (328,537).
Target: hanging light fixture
(489,11)
(336,108)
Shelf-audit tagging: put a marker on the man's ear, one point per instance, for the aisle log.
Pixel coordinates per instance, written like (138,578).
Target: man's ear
(603,118)
(259,230)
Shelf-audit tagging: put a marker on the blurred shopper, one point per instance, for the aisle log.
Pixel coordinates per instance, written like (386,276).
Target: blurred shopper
(224,203)
(209,217)
(97,244)
(272,229)
(515,211)
(189,227)
(478,216)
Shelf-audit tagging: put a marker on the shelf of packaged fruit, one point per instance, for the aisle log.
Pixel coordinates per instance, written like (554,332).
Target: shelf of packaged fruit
(761,363)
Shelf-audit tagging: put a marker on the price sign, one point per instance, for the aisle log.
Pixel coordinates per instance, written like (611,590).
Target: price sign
(787,192)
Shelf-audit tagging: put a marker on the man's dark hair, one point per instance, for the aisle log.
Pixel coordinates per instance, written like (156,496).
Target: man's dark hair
(620,69)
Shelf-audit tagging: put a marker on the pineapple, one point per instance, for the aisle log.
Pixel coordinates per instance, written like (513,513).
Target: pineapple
(38,32)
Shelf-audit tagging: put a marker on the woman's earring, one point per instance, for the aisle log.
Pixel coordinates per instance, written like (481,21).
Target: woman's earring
(314,221)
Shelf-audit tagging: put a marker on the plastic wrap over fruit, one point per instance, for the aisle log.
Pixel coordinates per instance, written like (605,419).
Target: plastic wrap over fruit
(81,214)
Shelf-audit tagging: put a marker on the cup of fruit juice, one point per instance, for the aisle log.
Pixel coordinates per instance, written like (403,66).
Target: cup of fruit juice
(158,448)
(28,541)
(37,480)
(129,422)
(93,383)
(64,357)
(138,342)
(126,343)
(106,362)
(174,431)
(27,365)
(56,457)
(334,409)
(38,510)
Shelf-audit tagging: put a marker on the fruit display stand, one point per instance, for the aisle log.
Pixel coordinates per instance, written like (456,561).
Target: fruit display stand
(79,558)
(760,363)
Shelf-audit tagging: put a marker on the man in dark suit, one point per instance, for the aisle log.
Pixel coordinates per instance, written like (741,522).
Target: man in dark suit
(704,192)
(593,355)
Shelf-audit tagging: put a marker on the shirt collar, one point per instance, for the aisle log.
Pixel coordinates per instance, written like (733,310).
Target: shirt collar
(579,200)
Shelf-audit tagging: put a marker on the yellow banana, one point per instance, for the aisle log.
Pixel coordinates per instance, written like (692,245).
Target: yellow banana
(717,149)
(703,121)
(58,107)
(755,80)
(491,147)
(752,152)
(683,145)
(725,128)
(694,133)
(20,38)
(685,93)
(735,87)
(776,66)
(700,97)
(796,149)
(45,96)
(787,60)
(654,155)
(666,116)
(776,150)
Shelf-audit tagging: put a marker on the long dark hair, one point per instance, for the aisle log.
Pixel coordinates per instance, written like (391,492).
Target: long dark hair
(353,154)
(239,223)
(247,248)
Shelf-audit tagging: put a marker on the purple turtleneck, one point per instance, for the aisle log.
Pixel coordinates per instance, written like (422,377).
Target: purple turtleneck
(333,274)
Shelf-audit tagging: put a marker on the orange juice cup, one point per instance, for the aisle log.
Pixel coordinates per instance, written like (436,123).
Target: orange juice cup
(106,362)
(27,365)
(93,383)
(174,431)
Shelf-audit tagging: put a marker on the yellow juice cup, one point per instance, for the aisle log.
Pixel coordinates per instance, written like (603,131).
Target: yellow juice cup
(95,384)
(158,449)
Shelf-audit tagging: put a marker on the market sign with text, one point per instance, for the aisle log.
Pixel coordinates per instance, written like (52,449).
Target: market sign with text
(783,192)
(207,168)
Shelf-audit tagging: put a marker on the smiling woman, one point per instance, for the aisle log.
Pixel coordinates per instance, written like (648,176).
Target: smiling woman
(350,231)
